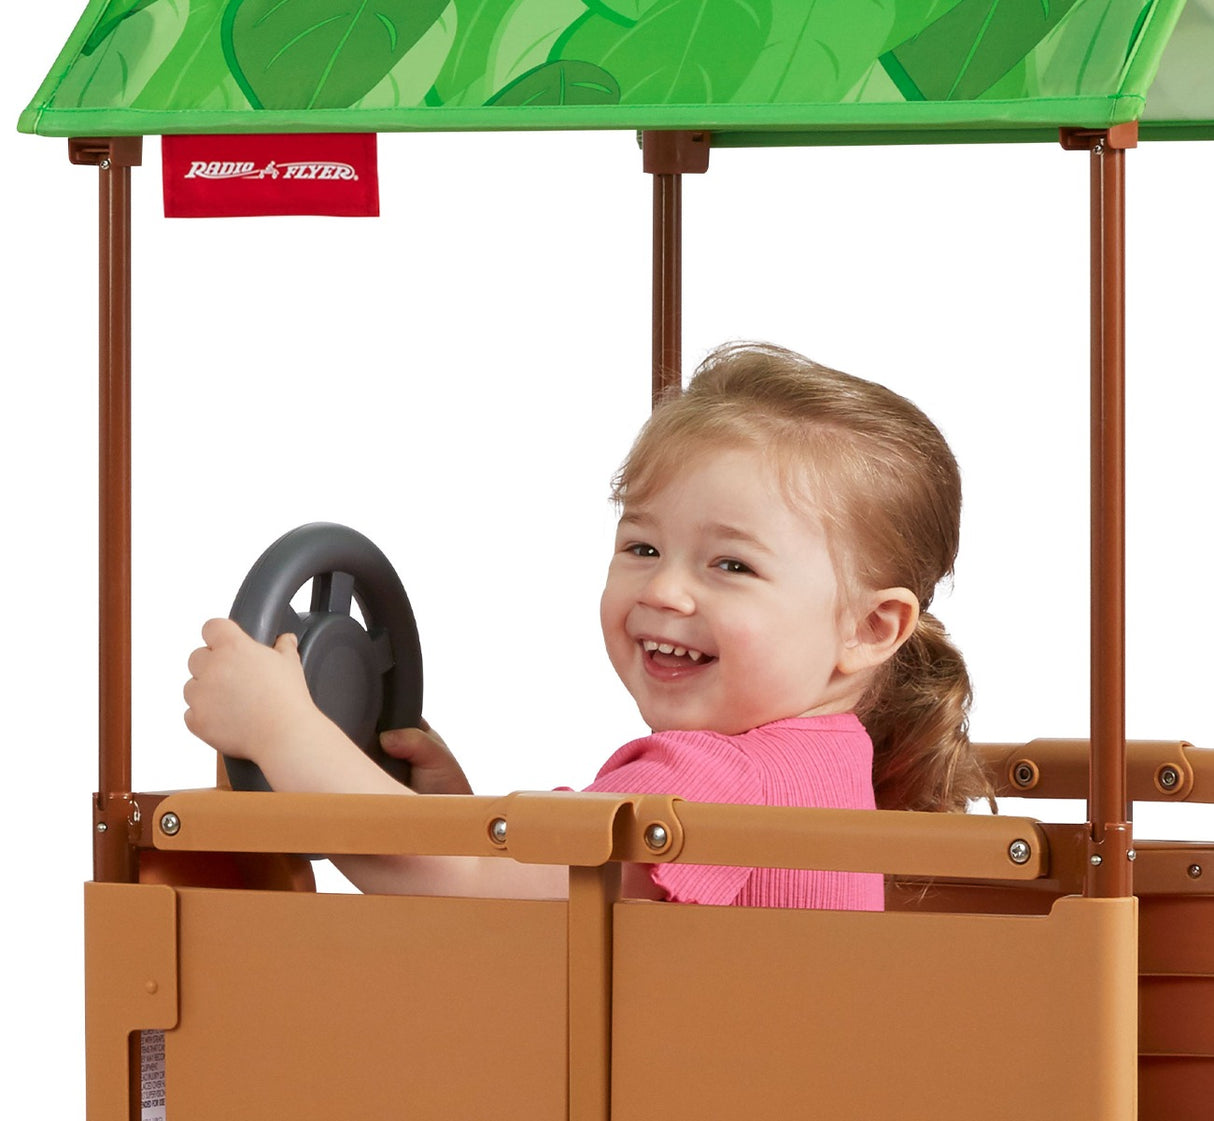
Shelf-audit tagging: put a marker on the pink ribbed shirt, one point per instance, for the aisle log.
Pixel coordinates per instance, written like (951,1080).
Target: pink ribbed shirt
(822,761)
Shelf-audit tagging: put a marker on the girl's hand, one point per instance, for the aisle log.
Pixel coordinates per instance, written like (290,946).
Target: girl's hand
(246,699)
(435,769)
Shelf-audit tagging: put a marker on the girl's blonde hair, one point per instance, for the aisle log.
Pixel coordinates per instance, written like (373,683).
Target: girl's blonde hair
(886,484)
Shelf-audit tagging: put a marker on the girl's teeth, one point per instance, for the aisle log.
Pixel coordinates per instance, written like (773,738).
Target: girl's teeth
(668,648)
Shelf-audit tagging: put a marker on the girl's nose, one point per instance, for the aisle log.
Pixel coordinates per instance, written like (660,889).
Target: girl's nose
(668,589)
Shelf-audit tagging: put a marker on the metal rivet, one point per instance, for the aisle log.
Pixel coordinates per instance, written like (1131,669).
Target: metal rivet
(1169,777)
(104,165)
(1019,851)
(1131,855)
(1095,860)
(101,827)
(497,830)
(170,823)
(656,836)
(1024,774)
(1195,871)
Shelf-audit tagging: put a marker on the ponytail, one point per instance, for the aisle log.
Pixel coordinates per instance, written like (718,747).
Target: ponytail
(916,712)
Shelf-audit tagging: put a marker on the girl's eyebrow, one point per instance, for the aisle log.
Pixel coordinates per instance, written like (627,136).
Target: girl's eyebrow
(734,533)
(640,519)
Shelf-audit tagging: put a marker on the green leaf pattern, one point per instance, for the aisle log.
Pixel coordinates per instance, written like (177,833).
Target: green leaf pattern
(679,51)
(1089,47)
(623,12)
(385,54)
(526,37)
(500,41)
(561,83)
(195,63)
(127,48)
(462,81)
(319,54)
(408,82)
(816,52)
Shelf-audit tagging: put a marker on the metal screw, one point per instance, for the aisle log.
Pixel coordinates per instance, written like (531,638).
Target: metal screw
(1095,860)
(101,827)
(1168,777)
(1019,851)
(656,836)
(1024,774)
(497,830)
(1195,871)
(170,823)
(104,165)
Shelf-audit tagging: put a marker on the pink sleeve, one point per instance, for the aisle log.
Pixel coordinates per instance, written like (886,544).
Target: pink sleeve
(696,766)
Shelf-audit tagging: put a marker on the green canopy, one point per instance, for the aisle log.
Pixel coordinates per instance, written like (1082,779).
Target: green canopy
(750,71)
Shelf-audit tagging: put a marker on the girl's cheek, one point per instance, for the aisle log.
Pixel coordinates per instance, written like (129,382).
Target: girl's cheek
(745,638)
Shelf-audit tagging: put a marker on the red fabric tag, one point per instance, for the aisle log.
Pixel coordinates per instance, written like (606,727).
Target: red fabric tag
(284,173)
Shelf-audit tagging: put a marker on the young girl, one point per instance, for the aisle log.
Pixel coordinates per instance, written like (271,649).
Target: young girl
(783,529)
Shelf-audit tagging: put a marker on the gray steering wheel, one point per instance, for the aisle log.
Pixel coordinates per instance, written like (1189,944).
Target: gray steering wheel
(366,679)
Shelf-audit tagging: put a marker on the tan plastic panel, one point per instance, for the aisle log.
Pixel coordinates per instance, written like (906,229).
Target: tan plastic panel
(592,895)
(130,983)
(727,1013)
(372,1008)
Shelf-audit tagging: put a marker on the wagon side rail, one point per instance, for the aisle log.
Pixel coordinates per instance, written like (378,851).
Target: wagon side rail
(1156,770)
(590,830)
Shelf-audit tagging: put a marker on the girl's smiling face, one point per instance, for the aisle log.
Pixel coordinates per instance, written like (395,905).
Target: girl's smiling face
(722,610)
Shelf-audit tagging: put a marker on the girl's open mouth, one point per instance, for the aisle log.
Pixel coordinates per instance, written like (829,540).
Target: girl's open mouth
(669,656)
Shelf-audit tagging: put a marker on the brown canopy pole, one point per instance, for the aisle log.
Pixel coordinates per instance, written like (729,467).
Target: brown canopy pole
(114,814)
(1110,851)
(667,156)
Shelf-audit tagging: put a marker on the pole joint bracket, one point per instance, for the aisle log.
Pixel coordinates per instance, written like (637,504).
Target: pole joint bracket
(675,153)
(1117,137)
(105,151)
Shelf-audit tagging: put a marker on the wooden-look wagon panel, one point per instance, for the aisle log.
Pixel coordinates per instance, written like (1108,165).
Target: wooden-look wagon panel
(371,1007)
(735,1012)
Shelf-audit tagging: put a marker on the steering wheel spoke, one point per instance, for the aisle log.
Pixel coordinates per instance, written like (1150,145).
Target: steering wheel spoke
(289,621)
(381,649)
(333,592)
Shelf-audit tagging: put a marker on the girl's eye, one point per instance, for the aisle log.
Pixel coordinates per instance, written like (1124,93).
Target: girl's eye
(641,549)
(730,565)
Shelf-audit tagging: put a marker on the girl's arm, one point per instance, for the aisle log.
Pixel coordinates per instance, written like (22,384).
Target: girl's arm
(251,701)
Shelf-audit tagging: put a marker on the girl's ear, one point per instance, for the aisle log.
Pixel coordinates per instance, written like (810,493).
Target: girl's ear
(888,620)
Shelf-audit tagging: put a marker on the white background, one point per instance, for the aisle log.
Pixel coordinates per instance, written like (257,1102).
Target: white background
(460,379)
